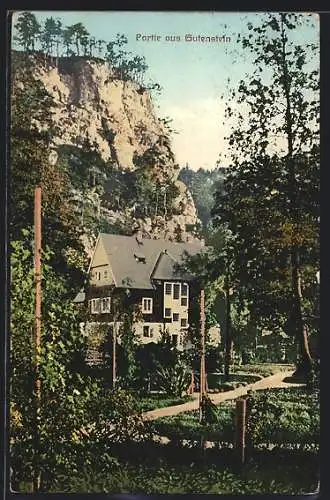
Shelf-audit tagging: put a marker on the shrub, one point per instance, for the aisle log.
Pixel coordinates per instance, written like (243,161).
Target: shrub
(163,479)
(174,380)
(286,418)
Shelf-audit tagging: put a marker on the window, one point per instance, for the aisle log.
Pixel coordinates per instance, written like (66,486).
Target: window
(176,291)
(105,305)
(168,312)
(184,322)
(184,301)
(184,290)
(105,274)
(146,331)
(95,306)
(175,317)
(147,305)
(168,288)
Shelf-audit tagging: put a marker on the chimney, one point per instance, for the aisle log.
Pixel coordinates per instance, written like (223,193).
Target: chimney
(139,236)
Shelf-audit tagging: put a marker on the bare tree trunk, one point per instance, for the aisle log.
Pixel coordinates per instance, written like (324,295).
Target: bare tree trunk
(228,339)
(304,364)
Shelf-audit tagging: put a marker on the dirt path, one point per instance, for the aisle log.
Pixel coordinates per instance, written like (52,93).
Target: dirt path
(273,381)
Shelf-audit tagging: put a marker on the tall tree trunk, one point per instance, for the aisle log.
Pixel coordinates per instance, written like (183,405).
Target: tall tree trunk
(304,365)
(228,339)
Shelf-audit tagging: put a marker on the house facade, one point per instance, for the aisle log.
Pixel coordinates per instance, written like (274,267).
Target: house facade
(141,275)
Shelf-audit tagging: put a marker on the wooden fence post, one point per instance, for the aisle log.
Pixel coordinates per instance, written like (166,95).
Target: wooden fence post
(240,422)
(37,333)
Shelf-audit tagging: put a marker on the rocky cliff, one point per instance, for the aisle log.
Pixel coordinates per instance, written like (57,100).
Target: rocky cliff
(119,119)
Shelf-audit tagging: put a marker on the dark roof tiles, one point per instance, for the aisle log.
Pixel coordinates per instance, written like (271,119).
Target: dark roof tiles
(161,258)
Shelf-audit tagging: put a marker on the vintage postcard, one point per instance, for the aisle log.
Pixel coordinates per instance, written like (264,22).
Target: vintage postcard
(164,252)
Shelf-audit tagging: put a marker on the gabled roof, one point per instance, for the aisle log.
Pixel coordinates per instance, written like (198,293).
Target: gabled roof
(166,268)
(80,297)
(136,263)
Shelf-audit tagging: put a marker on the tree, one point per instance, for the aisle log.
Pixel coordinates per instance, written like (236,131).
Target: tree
(50,34)
(202,185)
(77,418)
(271,196)
(31,145)
(28,29)
(68,34)
(61,342)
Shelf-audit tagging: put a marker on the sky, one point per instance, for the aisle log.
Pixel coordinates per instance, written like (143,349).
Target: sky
(192,74)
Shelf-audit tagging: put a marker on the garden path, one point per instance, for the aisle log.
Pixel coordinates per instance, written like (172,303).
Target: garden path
(273,381)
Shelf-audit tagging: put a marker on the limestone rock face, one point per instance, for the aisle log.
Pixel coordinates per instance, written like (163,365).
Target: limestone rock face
(92,103)
(118,118)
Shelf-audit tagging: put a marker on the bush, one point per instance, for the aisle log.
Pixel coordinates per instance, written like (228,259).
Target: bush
(174,380)
(264,369)
(95,421)
(168,479)
(161,401)
(217,380)
(286,418)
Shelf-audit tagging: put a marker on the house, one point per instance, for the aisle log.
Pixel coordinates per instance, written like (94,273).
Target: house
(142,274)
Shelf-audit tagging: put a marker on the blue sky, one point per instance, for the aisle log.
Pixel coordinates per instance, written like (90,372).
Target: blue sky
(193,75)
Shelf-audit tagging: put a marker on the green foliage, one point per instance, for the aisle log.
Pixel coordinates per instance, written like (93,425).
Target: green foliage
(76,414)
(127,479)
(264,369)
(127,362)
(213,357)
(218,426)
(278,186)
(60,344)
(217,379)
(202,184)
(28,29)
(31,107)
(150,357)
(160,400)
(287,418)
(74,40)
(173,380)
(280,189)
(209,411)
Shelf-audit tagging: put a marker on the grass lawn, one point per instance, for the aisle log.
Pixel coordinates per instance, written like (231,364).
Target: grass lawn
(153,401)
(263,369)
(265,473)
(285,418)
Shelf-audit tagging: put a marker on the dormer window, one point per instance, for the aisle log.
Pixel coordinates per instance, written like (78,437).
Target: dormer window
(147,305)
(139,257)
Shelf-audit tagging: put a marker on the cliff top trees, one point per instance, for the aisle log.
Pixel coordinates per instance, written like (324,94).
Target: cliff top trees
(28,30)
(50,35)
(74,40)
